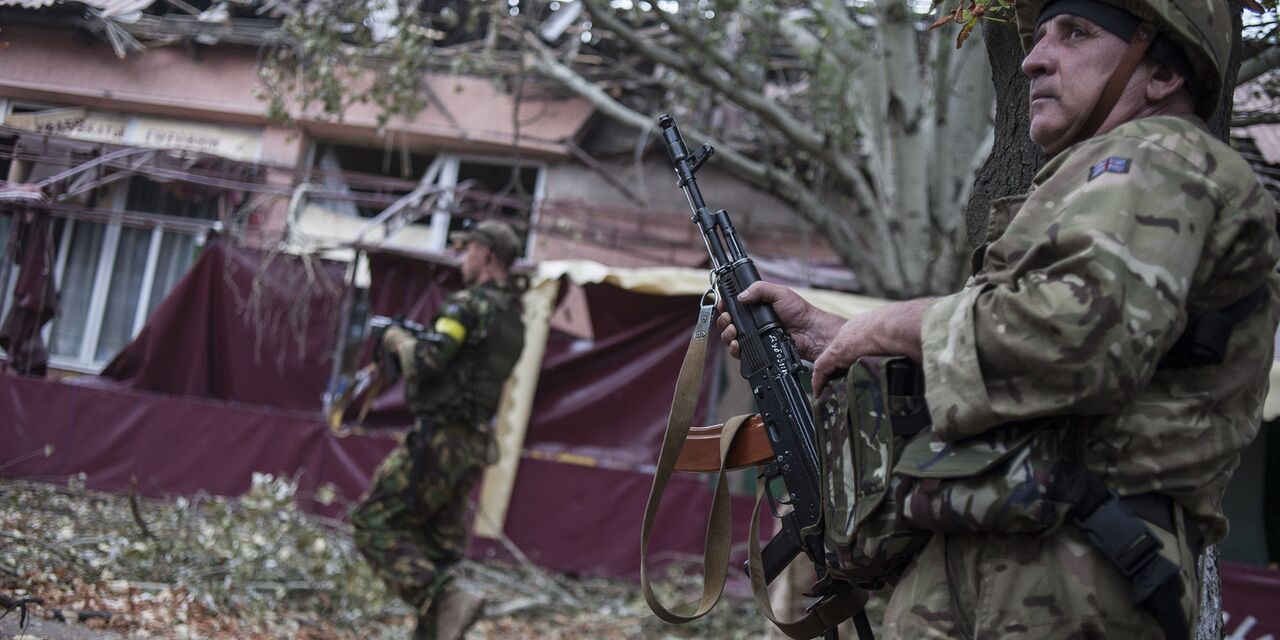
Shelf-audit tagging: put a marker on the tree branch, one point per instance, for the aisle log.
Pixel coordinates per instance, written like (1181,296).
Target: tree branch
(689,36)
(1258,65)
(802,136)
(850,245)
(1251,118)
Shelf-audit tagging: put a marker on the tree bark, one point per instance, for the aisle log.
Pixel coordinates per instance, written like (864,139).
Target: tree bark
(1210,626)
(1014,159)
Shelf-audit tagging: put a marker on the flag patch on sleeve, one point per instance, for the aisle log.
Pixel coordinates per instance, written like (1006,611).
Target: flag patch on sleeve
(1114,164)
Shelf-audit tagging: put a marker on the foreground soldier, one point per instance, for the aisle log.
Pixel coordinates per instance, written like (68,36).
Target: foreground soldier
(1140,224)
(410,526)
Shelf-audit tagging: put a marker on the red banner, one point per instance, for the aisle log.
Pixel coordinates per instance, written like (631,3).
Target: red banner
(1250,602)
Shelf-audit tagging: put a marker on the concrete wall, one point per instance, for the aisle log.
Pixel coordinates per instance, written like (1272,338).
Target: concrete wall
(590,218)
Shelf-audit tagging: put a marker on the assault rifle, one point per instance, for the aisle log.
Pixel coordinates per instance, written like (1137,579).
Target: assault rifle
(383,368)
(773,369)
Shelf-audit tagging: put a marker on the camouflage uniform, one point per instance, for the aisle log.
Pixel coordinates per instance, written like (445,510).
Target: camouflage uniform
(411,524)
(1084,284)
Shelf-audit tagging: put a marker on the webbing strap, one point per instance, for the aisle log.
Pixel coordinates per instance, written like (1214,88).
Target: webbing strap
(823,615)
(715,556)
(1125,542)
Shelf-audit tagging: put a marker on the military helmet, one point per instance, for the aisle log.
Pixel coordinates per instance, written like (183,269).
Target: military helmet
(498,236)
(1202,28)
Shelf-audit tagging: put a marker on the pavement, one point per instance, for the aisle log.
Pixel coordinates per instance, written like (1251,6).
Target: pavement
(40,629)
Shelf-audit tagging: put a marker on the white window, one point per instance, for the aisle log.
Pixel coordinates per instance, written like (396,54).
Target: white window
(111,276)
(374,178)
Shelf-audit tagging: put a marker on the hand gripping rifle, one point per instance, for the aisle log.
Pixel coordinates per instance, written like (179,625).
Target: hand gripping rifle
(773,369)
(370,380)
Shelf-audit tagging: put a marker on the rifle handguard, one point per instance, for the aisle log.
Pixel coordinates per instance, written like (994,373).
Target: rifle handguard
(701,451)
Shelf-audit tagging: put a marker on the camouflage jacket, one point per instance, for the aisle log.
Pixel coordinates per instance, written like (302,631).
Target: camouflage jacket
(457,371)
(1087,281)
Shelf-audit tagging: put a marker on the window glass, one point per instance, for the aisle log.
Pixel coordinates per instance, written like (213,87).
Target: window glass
(177,253)
(177,250)
(373,178)
(137,273)
(6,223)
(123,291)
(75,290)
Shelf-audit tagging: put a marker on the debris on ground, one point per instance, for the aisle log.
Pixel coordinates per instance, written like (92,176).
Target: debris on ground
(259,567)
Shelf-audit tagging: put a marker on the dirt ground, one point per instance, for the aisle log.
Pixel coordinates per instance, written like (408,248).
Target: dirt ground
(258,568)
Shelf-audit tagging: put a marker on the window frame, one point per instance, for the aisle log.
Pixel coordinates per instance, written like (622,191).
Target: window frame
(84,360)
(443,171)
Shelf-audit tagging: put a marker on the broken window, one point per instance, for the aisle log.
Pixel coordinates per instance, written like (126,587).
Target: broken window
(367,180)
(111,276)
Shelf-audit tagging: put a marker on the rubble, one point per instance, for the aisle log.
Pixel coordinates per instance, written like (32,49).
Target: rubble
(257,566)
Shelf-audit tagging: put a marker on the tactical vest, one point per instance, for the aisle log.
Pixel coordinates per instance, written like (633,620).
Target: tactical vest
(467,392)
(889,483)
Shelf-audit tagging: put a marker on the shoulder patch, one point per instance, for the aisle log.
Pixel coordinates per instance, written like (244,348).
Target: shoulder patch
(1114,164)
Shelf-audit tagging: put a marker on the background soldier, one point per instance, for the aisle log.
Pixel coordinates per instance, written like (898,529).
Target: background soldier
(410,526)
(1140,225)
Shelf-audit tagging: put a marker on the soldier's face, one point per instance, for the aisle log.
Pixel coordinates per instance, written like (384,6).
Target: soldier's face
(474,255)
(1071,61)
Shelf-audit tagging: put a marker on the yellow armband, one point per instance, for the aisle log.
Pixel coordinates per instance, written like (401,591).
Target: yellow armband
(452,328)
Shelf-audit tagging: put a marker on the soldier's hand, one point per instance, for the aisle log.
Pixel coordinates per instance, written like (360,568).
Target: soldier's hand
(893,329)
(810,327)
(395,336)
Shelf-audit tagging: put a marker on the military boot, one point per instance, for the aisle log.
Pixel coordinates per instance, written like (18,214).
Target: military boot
(451,614)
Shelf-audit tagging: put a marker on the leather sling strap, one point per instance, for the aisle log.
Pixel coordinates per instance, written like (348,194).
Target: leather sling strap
(715,559)
(826,614)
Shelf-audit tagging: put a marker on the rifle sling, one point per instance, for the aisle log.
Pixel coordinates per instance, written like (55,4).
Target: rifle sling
(824,615)
(715,559)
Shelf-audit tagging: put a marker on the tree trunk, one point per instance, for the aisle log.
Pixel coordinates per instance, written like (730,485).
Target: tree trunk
(1210,626)
(1014,158)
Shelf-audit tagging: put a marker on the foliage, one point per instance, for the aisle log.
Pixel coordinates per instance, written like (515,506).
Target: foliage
(338,53)
(857,115)
(968,14)
(218,564)
(259,567)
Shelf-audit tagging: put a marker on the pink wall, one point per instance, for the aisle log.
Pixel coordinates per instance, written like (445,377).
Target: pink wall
(218,86)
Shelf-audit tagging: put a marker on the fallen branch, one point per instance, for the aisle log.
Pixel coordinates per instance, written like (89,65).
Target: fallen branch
(68,615)
(136,511)
(20,604)
(64,554)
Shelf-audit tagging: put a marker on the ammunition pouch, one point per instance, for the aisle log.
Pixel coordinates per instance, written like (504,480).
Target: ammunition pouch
(889,484)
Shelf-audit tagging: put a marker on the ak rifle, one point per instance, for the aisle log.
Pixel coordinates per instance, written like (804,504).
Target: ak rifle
(773,369)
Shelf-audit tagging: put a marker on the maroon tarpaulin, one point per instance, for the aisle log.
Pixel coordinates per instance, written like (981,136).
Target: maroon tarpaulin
(241,325)
(197,403)
(1250,601)
(568,517)
(609,397)
(172,445)
(35,295)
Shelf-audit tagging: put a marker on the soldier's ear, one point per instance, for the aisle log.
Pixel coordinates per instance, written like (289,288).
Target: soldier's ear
(1163,81)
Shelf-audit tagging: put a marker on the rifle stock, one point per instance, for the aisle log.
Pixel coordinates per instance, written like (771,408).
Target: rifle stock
(701,451)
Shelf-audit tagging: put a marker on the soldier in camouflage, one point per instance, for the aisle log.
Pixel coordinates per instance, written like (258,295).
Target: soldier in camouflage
(410,525)
(1139,221)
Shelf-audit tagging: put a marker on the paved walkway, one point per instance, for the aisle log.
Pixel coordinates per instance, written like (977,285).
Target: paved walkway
(39,629)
